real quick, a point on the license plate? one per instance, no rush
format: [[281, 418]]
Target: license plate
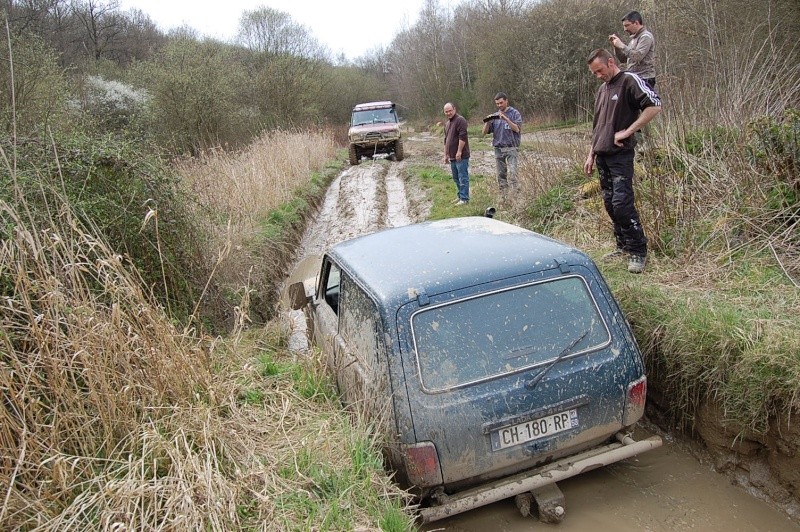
[[534, 429]]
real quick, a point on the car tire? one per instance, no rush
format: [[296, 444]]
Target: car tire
[[398, 150], [353, 155]]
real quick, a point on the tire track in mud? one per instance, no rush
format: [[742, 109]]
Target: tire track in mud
[[361, 200]]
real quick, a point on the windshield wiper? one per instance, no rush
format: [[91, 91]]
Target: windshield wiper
[[534, 381]]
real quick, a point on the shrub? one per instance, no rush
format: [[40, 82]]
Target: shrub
[[114, 185], [774, 145]]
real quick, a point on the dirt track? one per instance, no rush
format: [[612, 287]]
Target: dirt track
[[669, 488]]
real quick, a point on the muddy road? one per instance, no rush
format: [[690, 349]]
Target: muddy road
[[673, 487]]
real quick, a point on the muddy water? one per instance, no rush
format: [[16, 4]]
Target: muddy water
[[664, 489]]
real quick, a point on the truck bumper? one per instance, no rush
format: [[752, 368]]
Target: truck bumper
[[623, 448]]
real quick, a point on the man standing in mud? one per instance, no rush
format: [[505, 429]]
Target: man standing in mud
[[456, 151], [506, 128], [624, 103]]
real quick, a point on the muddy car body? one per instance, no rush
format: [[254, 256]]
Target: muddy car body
[[374, 129], [495, 360]]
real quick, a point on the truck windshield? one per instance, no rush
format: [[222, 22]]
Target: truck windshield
[[502, 332], [373, 116]]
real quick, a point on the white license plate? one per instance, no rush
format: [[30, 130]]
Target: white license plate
[[534, 429]]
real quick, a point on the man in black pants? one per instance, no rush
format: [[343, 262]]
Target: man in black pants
[[624, 103]]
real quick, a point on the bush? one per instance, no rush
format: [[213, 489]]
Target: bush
[[774, 145], [114, 186], [38, 85]]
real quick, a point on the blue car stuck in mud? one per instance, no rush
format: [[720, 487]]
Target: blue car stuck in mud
[[494, 360]]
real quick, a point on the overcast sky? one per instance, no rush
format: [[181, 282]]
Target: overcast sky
[[350, 26]]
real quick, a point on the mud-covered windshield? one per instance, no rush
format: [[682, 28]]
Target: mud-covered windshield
[[475, 339], [374, 116]]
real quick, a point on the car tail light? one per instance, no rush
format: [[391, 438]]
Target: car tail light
[[422, 464], [634, 401]]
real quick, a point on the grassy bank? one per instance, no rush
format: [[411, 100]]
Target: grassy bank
[[717, 311], [115, 416]]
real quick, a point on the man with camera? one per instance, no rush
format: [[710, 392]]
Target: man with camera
[[506, 128], [639, 54]]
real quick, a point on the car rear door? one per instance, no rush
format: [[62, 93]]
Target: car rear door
[[500, 380]]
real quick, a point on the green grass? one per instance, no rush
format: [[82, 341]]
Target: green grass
[[327, 466], [716, 322], [712, 343], [333, 490], [442, 191], [550, 208]]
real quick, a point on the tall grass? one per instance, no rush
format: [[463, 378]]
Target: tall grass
[[252, 203], [718, 188], [113, 419], [88, 364]]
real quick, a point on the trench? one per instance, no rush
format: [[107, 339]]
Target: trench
[[674, 487]]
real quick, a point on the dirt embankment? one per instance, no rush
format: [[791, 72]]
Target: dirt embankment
[[766, 465]]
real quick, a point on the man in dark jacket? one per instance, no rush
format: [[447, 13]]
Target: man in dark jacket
[[624, 103], [456, 151]]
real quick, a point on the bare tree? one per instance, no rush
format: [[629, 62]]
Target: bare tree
[[100, 22], [273, 32], [426, 67], [286, 66]]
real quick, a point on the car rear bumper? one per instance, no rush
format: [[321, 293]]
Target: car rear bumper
[[623, 448]]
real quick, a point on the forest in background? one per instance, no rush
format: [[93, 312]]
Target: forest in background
[[88, 64], [120, 102]]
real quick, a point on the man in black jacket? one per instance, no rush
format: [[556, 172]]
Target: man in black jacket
[[624, 103]]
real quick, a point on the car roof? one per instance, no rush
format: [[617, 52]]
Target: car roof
[[396, 265], [373, 105]]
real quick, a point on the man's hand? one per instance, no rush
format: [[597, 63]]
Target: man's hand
[[616, 41], [588, 166], [619, 136]]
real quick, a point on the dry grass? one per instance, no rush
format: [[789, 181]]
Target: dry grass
[[88, 363], [114, 419], [252, 204], [246, 186], [717, 309]]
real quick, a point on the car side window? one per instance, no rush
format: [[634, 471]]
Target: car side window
[[331, 286], [359, 323]]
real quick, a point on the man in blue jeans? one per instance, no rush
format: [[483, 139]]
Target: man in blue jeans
[[456, 151], [506, 128], [624, 103]]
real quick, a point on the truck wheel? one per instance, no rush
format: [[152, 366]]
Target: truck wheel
[[353, 155], [398, 150]]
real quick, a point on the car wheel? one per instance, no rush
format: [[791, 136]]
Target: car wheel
[[353, 154], [398, 150]]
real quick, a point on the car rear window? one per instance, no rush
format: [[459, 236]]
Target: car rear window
[[479, 338]]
